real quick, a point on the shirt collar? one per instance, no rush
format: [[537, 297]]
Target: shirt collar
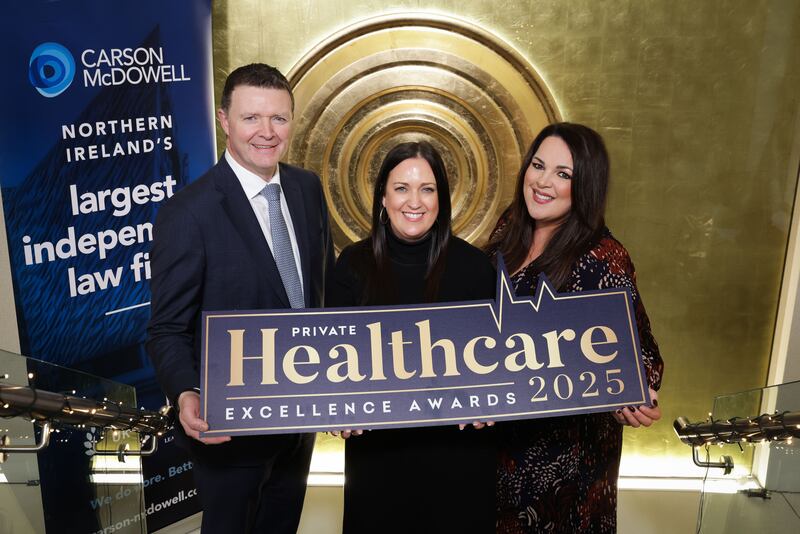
[[251, 182]]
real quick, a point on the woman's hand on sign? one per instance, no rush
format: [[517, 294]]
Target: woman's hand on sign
[[477, 425], [346, 433], [189, 417], [637, 416]]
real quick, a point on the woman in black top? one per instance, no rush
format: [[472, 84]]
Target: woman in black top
[[429, 479]]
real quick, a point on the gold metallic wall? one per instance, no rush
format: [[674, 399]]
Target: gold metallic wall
[[405, 77], [698, 102]]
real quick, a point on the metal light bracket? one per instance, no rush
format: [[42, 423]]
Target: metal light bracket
[[726, 462], [6, 447]]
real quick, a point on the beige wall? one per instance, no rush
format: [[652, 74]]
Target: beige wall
[[9, 335]]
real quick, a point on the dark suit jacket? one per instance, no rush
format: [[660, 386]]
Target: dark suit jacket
[[209, 253]]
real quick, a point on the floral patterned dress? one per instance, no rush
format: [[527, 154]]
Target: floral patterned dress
[[560, 474]]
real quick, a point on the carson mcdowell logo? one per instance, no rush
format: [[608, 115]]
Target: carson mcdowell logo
[[51, 69]]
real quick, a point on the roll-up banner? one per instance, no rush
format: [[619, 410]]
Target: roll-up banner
[[108, 112]]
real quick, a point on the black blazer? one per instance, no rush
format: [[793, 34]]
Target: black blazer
[[209, 253]]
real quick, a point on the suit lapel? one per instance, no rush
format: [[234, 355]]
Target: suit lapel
[[239, 210], [294, 199]]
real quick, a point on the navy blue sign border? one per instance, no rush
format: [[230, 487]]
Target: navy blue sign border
[[496, 307]]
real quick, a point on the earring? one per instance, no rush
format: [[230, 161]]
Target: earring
[[383, 217]]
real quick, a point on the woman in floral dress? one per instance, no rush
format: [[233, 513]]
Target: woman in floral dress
[[560, 474]]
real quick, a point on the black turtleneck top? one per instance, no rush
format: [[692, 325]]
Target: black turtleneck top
[[468, 274]]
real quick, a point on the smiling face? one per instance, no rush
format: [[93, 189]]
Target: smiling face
[[258, 124], [411, 199], [548, 183]]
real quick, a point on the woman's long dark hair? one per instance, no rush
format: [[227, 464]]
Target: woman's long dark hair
[[585, 222], [377, 288]]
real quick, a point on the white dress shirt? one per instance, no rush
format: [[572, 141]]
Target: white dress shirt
[[252, 185]]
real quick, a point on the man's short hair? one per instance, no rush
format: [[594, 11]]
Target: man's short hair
[[255, 75]]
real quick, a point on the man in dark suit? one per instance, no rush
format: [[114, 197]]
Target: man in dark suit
[[234, 240]]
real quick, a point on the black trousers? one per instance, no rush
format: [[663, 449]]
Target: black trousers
[[262, 498]]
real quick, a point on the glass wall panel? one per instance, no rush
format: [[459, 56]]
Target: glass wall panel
[[775, 508], [69, 486]]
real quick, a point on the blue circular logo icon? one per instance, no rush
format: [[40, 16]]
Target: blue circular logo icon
[[51, 69]]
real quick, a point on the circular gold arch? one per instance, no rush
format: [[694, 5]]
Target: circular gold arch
[[411, 77]]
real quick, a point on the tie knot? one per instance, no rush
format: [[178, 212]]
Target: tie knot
[[272, 191]]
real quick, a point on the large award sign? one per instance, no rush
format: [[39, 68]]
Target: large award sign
[[358, 368]]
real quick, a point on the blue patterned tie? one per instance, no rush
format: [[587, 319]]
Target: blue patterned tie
[[282, 246]]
